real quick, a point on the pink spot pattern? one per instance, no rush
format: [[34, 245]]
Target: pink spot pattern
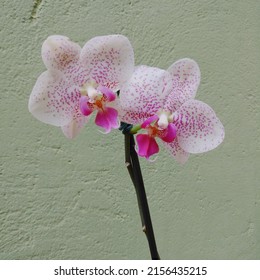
[[199, 129], [185, 75], [58, 52], [108, 60], [144, 94]]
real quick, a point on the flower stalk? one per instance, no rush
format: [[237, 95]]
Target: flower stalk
[[134, 169]]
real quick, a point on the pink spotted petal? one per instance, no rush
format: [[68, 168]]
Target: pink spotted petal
[[54, 100], [84, 107], [107, 119], [147, 146], [110, 95], [177, 152], [199, 129], [144, 94], [149, 121], [170, 133], [185, 75], [109, 59], [72, 129], [58, 52]]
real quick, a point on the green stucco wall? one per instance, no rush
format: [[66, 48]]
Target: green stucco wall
[[62, 199]]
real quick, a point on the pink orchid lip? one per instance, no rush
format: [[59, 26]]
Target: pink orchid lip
[[107, 119], [147, 146]]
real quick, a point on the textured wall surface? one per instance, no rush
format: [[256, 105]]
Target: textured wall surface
[[62, 199]]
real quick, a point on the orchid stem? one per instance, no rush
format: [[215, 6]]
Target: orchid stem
[[133, 167]]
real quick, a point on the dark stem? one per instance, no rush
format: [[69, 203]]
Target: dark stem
[[133, 166]]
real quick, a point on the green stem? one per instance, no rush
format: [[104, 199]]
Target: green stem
[[135, 129]]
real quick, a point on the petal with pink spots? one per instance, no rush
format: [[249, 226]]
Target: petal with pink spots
[[144, 94], [109, 60], [53, 100], [185, 75], [199, 129], [58, 52]]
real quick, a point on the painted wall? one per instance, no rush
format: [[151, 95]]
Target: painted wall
[[62, 199]]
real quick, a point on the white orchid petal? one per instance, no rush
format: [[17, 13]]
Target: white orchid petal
[[59, 51], [185, 75], [199, 129], [144, 94], [109, 60], [53, 100]]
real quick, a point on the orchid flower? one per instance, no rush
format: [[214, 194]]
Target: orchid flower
[[79, 82], [162, 102]]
